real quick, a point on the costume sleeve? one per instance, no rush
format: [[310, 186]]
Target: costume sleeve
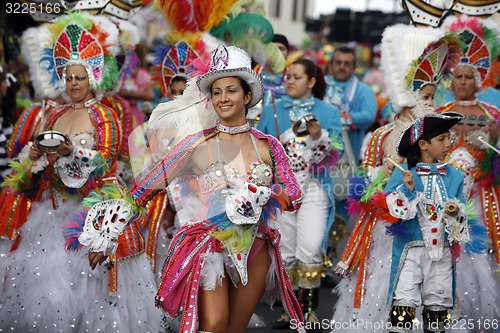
[[402, 202], [84, 167], [23, 130], [366, 108], [263, 123], [284, 175], [27, 175]]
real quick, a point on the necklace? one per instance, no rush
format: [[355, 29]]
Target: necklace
[[83, 105], [467, 103], [233, 129]]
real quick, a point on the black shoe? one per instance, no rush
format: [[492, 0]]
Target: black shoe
[[313, 325], [282, 323], [329, 281]]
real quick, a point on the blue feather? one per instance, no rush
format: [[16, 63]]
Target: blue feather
[[478, 242], [50, 67], [159, 53], [74, 229], [357, 187]]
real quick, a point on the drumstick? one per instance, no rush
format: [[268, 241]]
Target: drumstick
[[480, 138], [396, 164]]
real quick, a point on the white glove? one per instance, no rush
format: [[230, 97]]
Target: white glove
[[104, 222]]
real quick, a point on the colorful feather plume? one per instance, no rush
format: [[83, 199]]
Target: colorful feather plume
[[480, 48], [194, 15]]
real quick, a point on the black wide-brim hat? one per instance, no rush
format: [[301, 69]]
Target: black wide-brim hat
[[426, 128]]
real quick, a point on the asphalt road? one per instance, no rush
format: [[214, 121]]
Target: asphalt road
[[325, 311]]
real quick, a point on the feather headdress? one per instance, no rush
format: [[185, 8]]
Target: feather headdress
[[126, 59], [480, 49], [240, 23], [40, 76], [406, 78], [178, 59], [401, 45], [82, 39]]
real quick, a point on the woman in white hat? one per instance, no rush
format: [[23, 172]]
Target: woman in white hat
[[227, 257]]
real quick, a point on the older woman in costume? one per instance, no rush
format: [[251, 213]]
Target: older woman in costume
[[50, 289]]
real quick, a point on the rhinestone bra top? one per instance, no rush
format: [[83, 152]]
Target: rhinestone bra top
[[260, 173]]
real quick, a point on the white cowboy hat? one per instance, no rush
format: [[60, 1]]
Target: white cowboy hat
[[231, 61]]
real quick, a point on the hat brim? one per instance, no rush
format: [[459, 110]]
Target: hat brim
[[435, 123], [205, 81]]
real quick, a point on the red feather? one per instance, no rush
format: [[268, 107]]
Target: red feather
[[379, 206]]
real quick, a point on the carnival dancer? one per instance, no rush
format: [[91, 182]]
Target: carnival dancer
[[47, 288], [425, 196], [412, 73], [472, 140], [222, 262], [313, 150]]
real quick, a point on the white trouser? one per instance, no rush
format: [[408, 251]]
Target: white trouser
[[302, 231], [423, 281]]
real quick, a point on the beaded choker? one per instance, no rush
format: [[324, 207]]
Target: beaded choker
[[233, 129], [467, 103], [84, 105]]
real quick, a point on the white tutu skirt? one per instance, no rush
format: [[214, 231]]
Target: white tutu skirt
[[39, 287], [48, 289], [373, 313]]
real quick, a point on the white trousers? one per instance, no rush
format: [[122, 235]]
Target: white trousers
[[302, 231], [425, 282]]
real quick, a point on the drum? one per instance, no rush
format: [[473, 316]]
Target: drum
[[49, 141]]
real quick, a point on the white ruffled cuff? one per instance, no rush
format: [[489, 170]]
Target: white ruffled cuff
[[457, 226], [75, 168], [400, 207], [104, 222], [36, 166], [316, 150]]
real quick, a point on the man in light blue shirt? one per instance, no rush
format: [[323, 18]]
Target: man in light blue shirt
[[354, 98]]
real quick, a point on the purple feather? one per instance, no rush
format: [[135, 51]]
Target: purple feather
[[397, 229]]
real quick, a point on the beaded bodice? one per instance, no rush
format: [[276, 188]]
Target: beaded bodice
[[259, 173]]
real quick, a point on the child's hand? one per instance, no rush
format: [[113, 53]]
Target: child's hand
[[408, 180]]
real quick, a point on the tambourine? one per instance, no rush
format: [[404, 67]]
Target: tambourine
[[49, 141], [300, 126]]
